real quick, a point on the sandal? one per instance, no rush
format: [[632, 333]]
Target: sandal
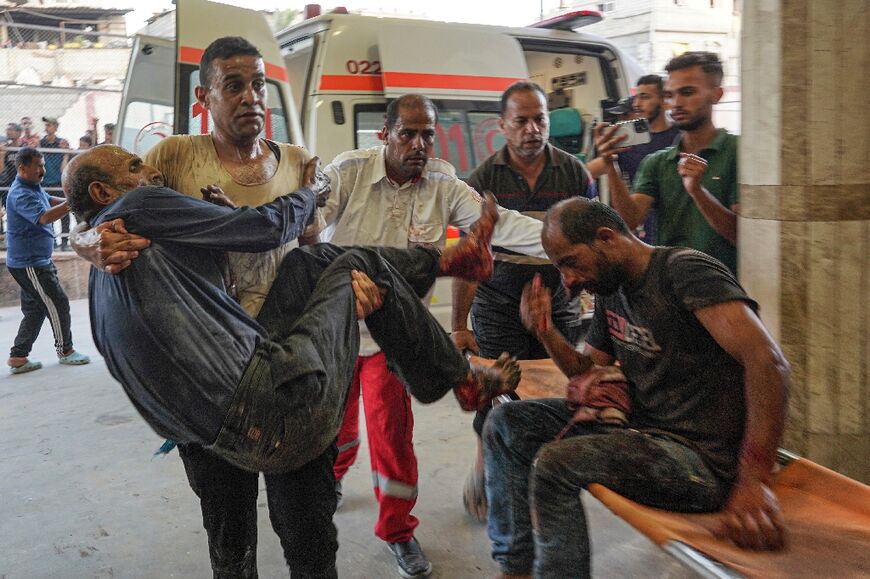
[[25, 367], [74, 359]]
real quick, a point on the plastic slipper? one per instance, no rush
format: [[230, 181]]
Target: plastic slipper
[[74, 359], [26, 367]]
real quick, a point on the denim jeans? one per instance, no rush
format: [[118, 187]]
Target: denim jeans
[[533, 480]]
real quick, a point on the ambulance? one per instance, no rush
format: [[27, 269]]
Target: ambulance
[[330, 77]]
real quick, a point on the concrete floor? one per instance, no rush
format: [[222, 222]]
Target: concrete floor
[[82, 497]]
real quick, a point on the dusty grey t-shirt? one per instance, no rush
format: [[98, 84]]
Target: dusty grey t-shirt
[[682, 382]]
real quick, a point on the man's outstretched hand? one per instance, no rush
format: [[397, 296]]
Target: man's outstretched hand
[[108, 246], [535, 307], [214, 194], [317, 181], [369, 297]]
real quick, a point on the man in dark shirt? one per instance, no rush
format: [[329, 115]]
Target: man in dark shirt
[[267, 394], [649, 103], [708, 400], [528, 175], [54, 165]]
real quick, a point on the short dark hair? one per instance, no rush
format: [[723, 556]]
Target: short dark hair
[[408, 100], [652, 79], [579, 219], [222, 48], [25, 156], [87, 139], [76, 186], [708, 61], [520, 86]]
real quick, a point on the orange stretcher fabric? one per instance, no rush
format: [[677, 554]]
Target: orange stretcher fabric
[[827, 518]]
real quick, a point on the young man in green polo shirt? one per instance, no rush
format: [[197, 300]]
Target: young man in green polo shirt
[[692, 184]]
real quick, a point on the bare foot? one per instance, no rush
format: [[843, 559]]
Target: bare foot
[[474, 493], [471, 258], [16, 361], [485, 383]]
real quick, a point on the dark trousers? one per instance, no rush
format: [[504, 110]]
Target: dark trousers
[[289, 405], [301, 505], [41, 296], [64, 231]]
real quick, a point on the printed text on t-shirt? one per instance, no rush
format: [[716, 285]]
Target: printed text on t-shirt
[[633, 337]]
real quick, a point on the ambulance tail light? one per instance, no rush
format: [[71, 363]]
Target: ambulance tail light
[[570, 20], [314, 10]]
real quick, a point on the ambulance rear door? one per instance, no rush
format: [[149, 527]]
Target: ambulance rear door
[[199, 23], [147, 101]]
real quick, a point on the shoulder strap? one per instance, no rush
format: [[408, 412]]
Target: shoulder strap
[[274, 147]]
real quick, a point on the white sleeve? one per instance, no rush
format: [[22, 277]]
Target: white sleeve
[[337, 200], [513, 231]]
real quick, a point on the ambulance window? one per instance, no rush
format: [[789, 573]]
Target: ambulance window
[[486, 136], [144, 125], [464, 137], [199, 122], [368, 125]]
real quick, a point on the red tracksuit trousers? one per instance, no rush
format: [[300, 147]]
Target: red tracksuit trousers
[[390, 428]]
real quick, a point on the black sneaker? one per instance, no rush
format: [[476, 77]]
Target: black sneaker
[[411, 559], [339, 497]]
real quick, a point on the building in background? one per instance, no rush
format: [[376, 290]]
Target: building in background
[[63, 59], [654, 31]]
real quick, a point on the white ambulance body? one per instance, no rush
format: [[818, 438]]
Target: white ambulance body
[[333, 74], [330, 80]]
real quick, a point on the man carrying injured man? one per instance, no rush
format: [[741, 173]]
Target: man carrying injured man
[[266, 394]]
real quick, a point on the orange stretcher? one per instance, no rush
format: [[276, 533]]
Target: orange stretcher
[[827, 515]]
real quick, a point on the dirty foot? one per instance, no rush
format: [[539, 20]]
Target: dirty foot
[[485, 383], [471, 258]]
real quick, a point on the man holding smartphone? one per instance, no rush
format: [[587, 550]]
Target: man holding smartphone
[[648, 103], [693, 183]]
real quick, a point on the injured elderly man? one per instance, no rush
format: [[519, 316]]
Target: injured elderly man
[[265, 394]]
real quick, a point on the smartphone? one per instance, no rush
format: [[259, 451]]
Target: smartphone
[[637, 132]]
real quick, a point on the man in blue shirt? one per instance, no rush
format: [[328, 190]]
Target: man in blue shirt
[[30, 240]]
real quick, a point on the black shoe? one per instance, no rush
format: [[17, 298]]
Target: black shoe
[[339, 497], [411, 559]]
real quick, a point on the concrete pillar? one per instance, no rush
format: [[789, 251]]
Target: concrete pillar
[[804, 227]]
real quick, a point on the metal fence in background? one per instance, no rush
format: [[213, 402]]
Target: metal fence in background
[[73, 72]]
